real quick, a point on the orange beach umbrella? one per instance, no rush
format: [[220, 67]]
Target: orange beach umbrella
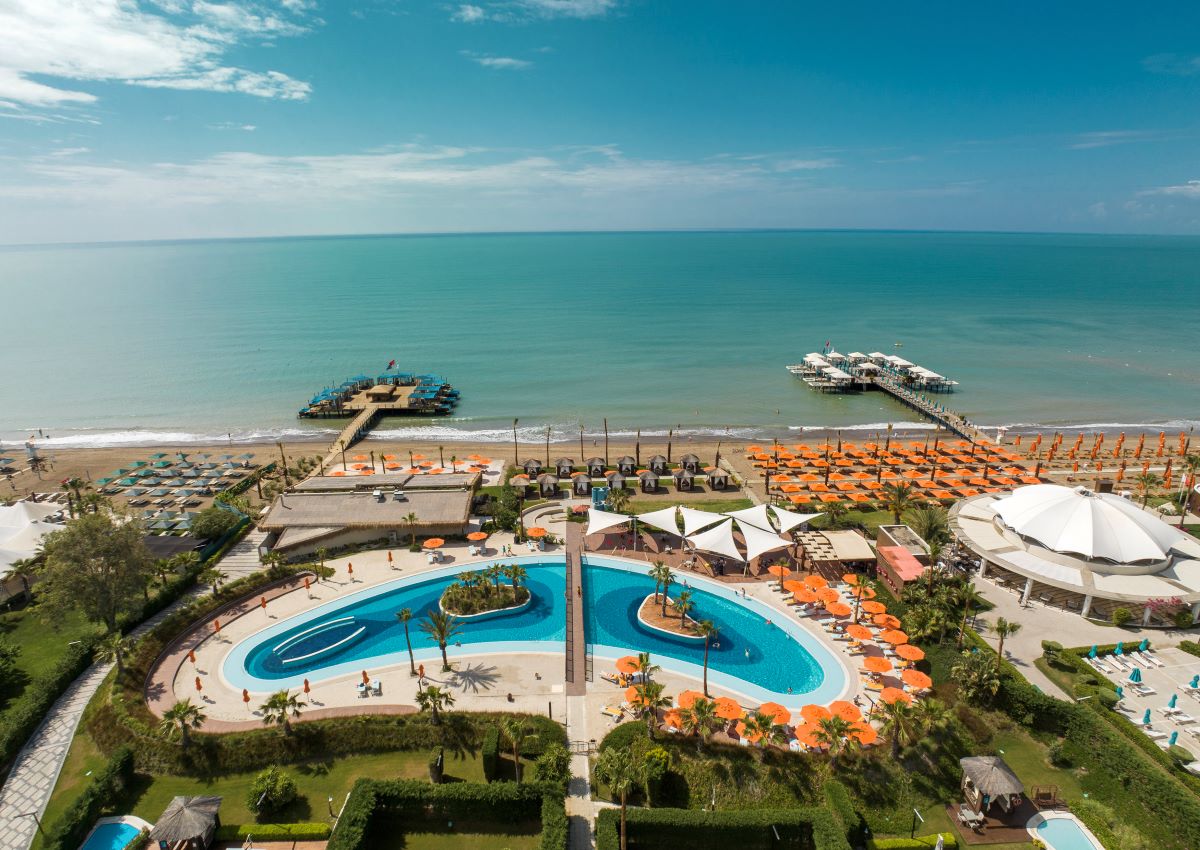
[[916, 679], [477, 535], [536, 531], [891, 695], [728, 709], [874, 607], [876, 664], [909, 652], [433, 543], [688, 698], [839, 609], [779, 570], [845, 710], [859, 632], [893, 636], [778, 714], [815, 713], [627, 665]]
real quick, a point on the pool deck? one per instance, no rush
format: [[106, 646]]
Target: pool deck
[[532, 682]]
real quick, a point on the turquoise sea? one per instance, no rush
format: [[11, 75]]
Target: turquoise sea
[[177, 341]]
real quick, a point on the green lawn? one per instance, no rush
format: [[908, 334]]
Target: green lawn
[[43, 641], [641, 506], [452, 836]]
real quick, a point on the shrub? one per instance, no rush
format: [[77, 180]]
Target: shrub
[[270, 791], [1190, 647], [553, 765], [555, 825], [623, 736], [70, 830], [700, 830], [1182, 618], [273, 831], [1121, 616], [655, 764], [921, 842], [212, 522], [489, 753], [1058, 755]]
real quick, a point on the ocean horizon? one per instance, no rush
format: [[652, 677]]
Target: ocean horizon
[[206, 340]]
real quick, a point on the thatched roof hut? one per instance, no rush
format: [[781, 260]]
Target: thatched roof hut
[[988, 780], [648, 481], [626, 465], [581, 484], [532, 467], [596, 466], [188, 823], [658, 464], [548, 484], [565, 466], [690, 462]]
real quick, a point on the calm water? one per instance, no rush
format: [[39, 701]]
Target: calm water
[[174, 341]]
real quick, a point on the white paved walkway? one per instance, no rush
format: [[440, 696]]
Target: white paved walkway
[[581, 810]]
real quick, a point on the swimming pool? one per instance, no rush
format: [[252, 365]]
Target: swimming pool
[[760, 652], [113, 833], [1062, 831]]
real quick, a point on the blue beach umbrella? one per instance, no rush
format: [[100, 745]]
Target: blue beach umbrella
[[1146, 718], [1092, 651], [1144, 645], [1120, 692], [1195, 681], [1136, 675], [1171, 701], [1120, 650], [1174, 737]]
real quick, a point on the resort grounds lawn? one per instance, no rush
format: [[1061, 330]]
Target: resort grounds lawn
[[642, 506], [405, 835], [43, 641]]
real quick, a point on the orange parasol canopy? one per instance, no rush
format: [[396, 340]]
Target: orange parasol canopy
[[909, 652], [807, 735], [916, 679], [865, 734], [794, 586], [845, 710], [433, 543], [391, 466], [815, 581], [815, 713], [389, 457], [891, 695], [673, 718], [864, 592], [874, 607], [893, 636], [850, 578], [828, 594], [859, 632], [627, 665], [876, 664], [728, 709], [805, 596], [417, 456], [361, 457], [338, 474], [477, 535], [778, 714], [753, 736], [687, 698], [888, 621], [536, 531], [839, 609], [779, 570], [632, 696]]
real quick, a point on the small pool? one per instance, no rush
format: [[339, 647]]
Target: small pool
[[113, 833], [1060, 831]]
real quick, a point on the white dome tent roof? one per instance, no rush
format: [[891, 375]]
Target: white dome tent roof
[[1081, 522]]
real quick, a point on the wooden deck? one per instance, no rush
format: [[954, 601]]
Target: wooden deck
[[1009, 830]]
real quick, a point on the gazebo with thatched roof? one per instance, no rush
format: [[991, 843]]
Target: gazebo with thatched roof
[[188, 823], [595, 467], [988, 781]]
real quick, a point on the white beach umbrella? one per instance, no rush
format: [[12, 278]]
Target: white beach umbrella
[[599, 520], [694, 520], [790, 519], [663, 520], [718, 539], [756, 516]]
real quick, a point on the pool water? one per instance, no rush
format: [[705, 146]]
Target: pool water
[[382, 636], [747, 647], [1065, 834], [111, 836]]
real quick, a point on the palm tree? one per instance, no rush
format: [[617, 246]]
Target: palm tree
[[1146, 481], [280, 708], [833, 733], [1003, 629], [930, 522], [651, 698], [977, 676], [617, 769], [1189, 466], [516, 574], [433, 699], [182, 717], [212, 577], [929, 715], [645, 667], [494, 573], [898, 498], [761, 726], [666, 578], [835, 512], [323, 553], [899, 724], [24, 569], [709, 631], [443, 628], [515, 731], [411, 519], [700, 719], [404, 615], [683, 605], [966, 597], [618, 499], [113, 648]]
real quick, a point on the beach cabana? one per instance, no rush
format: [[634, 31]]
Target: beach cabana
[[595, 467], [188, 823], [658, 464], [532, 467], [648, 481], [685, 479], [615, 479], [565, 467], [718, 479], [548, 485], [626, 465], [988, 782], [581, 484], [520, 483], [690, 462]]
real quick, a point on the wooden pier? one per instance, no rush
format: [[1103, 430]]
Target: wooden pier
[[952, 422]]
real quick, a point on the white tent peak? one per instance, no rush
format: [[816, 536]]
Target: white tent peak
[[718, 539], [694, 520], [663, 520], [759, 542], [756, 516], [790, 519], [599, 520]]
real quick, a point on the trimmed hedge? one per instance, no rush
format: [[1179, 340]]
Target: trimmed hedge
[[1190, 647], [489, 754], [837, 797], [919, 843], [701, 830], [69, 831], [499, 802], [23, 718], [273, 831]]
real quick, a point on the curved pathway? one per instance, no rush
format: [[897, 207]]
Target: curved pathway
[[35, 771]]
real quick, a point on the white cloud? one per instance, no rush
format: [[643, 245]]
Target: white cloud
[[500, 63], [171, 43], [1107, 138], [1172, 63], [469, 14], [232, 125], [1190, 189], [806, 164], [567, 8]]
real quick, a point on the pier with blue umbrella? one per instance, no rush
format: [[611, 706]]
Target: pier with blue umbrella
[[1136, 675]]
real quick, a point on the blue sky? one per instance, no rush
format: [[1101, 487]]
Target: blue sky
[[131, 119]]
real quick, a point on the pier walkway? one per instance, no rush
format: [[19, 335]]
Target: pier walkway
[[576, 650], [950, 421]]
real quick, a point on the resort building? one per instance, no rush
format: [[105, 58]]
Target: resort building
[[901, 556], [329, 512], [1082, 551]]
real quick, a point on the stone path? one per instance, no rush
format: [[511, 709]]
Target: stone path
[[36, 768], [242, 560], [581, 810]]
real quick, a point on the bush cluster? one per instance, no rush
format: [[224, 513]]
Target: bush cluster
[[921, 842], [70, 830], [489, 753], [719, 830], [273, 831]]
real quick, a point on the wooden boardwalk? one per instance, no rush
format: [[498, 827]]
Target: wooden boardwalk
[[576, 649], [914, 401]]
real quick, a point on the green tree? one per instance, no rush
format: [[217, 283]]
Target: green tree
[[280, 709], [618, 500], [1146, 481], [684, 605], [835, 514], [930, 715], [442, 628], [834, 734], [710, 632], [898, 498], [405, 615], [411, 519], [645, 666], [1004, 628], [617, 769], [10, 673], [701, 719], [553, 765], [113, 648], [966, 598], [899, 724], [976, 676], [434, 700], [516, 574], [182, 717], [24, 569], [930, 522], [515, 732], [651, 698], [271, 791], [212, 576], [760, 726], [212, 522], [96, 566]]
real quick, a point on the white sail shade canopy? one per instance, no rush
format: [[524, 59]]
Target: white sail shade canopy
[[790, 519], [756, 516], [599, 520], [694, 520], [759, 542], [663, 520], [718, 540]]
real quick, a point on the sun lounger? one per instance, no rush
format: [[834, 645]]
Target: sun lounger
[[1193, 768], [1154, 734], [610, 677], [1181, 718], [613, 712], [377, 688], [1141, 690], [1150, 659]]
